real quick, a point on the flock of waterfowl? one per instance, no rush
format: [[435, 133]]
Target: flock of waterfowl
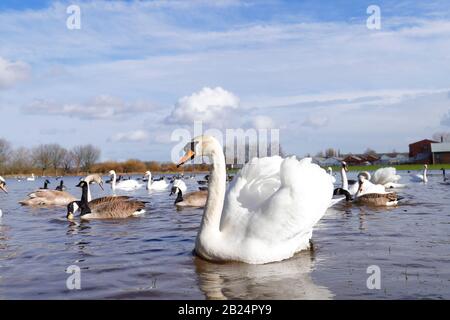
[[265, 214]]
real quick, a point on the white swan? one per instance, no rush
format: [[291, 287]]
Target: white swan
[[330, 172], [180, 185], [387, 177], [269, 210], [32, 178], [155, 185], [421, 177], [3, 188], [125, 185]]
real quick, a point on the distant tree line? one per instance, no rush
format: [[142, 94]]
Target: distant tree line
[[53, 159], [47, 159]]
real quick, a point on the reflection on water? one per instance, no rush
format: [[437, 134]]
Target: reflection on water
[[289, 279], [151, 256]]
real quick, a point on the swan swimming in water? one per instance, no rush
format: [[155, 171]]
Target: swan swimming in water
[[3, 188], [155, 185], [330, 172], [421, 177], [269, 210], [125, 185]]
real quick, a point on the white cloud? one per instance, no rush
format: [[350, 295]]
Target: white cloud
[[209, 105], [12, 72], [316, 121], [262, 122], [131, 136], [98, 108]]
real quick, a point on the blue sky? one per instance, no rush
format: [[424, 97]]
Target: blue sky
[[137, 70]]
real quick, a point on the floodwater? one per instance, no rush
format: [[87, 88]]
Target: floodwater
[[150, 257]]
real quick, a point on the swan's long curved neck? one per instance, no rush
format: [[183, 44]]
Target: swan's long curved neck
[[89, 196], [425, 177], [149, 182], [216, 193], [344, 179]]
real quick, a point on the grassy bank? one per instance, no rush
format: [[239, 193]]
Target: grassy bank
[[402, 167]]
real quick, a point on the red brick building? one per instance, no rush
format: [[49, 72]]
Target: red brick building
[[421, 151]]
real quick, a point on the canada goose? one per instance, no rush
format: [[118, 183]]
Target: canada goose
[[3, 188], [48, 198], [61, 186], [180, 185], [374, 195], [192, 199], [118, 208], [46, 183]]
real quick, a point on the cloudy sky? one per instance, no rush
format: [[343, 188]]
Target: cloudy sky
[[137, 70]]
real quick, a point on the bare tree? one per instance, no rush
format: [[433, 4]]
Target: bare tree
[[91, 156], [330, 152], [5, 151], [68, 161], [85, 157], [370, 151], [21, 161], [42, 156], [57, 154]]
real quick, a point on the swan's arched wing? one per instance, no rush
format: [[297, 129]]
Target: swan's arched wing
[[303, 195], [385, 175], [253, 184]]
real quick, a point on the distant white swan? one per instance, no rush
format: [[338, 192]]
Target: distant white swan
[[269, 210], [3, 188], [330, 172], [155, 185], [32, 178], [421, 177], [125, 185]]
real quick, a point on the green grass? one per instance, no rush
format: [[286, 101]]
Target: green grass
[[404, 167]]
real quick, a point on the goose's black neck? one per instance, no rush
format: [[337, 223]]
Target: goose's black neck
[[45, 185], [84, 204], [179, 196]]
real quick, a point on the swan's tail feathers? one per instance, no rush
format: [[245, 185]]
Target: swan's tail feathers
[[385, 175]]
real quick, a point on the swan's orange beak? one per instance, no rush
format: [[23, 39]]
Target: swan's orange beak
[[188, 156], [3, 188]]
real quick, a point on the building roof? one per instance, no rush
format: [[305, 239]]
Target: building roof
[[440, 147], [423, 141]]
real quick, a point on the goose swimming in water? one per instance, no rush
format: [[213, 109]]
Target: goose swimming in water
[[421, 177], [269, 210], [375, 195], [46, 197], [3, 188], [45, 187], [114, 208], [61, 186], [193, 199]]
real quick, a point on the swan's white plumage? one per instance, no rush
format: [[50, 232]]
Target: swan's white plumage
[[180, 185], [385, 176], [128, 185], [270, 209]]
